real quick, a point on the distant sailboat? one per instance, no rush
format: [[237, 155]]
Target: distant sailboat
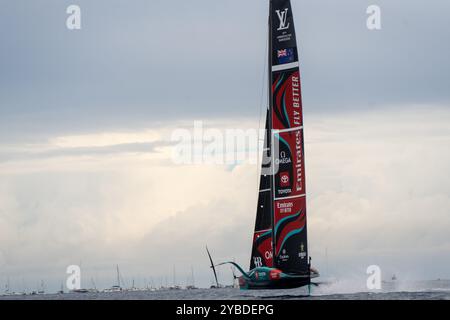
[[61, 291], [94, 286], [41, 290], [117, 287], [174, 286], [7, 287], [279, 256], [191, 285]]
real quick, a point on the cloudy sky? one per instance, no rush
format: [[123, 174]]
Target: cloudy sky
[[86, 118]]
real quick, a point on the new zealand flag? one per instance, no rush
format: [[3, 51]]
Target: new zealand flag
[[285, 55]]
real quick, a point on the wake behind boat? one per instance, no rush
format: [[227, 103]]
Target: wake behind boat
[[279, 256]]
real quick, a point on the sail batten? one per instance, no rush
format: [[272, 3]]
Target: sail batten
[[285, 66]]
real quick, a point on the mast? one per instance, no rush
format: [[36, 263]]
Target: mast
[[269, 130], [290, 247], [192, 276], [118, 276], [93, 283], [7, 286], [174, 277], [262, 249]]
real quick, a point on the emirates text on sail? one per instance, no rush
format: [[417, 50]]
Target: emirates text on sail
[[299, 155]]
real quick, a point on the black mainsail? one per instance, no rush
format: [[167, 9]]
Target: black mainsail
[[280, 237], [262, 251]]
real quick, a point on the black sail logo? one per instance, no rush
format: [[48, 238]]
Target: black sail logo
[[282, 15]]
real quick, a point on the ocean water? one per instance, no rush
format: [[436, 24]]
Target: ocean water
[[337, 290]]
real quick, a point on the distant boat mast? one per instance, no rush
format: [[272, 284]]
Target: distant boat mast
[[118, 276]]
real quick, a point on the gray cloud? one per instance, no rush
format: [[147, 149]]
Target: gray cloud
[[136, 64], [82, 151]]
